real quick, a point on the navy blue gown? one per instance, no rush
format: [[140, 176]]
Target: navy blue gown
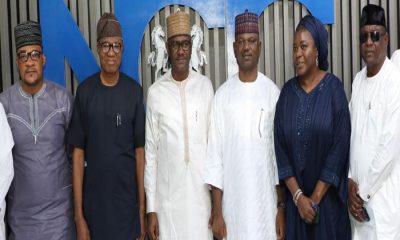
[[312, 139]]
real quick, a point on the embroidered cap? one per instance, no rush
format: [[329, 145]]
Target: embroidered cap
[[108, 26], [178, 23], [27, 33], [246, 22]]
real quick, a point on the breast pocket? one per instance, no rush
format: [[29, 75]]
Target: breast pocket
[[264, 125], [374, 124], [124, 125], [197, 125]]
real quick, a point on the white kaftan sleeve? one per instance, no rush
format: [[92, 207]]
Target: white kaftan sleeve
[[351, 110], [396, 58], [6, 160], [388, 151], [210, 96], [214, 163], [6, 176], [151, 145]]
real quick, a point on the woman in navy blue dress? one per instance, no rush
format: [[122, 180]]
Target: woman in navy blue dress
[[312, 139]]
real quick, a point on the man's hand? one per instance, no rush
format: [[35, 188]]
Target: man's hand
[[78, 160], [354, 201], [82, 230], [218, 226], [141, 236], [304, 206], [152, 226], [280, 224], [142, 215], [210, 221], [139, 154]]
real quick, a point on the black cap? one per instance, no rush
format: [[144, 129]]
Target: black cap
[[372, 15], [27, 33]]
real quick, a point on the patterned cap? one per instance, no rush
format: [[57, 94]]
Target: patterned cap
[[108, 26], [27, 33], [373, 15], [178, 24], [246, 22]]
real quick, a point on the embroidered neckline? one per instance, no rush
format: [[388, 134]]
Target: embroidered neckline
[[36, 95]]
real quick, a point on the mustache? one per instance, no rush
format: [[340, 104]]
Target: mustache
[[30, 70], [246, 52], [246, 55]]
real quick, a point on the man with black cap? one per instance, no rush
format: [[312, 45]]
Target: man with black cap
[[241, 166], [374, 199], [40, 198], [107, 133], [178, 105]]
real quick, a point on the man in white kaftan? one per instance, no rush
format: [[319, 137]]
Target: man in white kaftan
[[6, 165], [177, 117], [375, 137], [241, 165], [241, 156]]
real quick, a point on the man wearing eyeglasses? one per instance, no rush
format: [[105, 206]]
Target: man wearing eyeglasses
[[38, 111], [374, 176], [107, 133], [178, 105]]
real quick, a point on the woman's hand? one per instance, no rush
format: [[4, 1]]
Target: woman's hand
[[304, 206]]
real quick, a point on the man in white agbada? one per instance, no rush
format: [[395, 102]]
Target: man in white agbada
[[178, 105], [6, 165], [375, 137], [241, 165]]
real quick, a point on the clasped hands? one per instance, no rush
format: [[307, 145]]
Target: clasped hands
[[308, 209]]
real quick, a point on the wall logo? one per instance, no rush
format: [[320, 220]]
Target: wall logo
[[159, 57], [62, 39]]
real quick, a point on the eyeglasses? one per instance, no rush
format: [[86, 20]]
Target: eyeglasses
[[106, 46], [375, 36], [185, 45], [24, 56]]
